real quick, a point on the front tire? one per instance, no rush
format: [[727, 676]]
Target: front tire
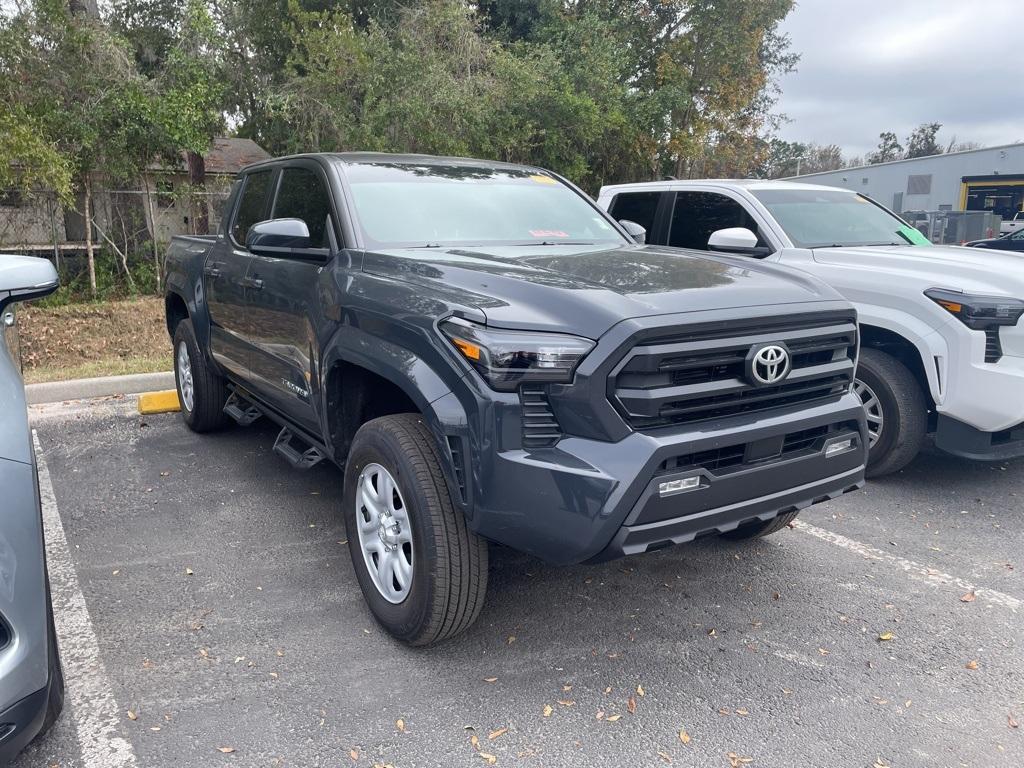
[[896, 411], [423, 573], [201, 392]]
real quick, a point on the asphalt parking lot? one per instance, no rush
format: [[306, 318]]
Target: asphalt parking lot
[[209, 616]]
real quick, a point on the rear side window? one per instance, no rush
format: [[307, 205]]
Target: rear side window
[[696, 215], [253, 204], [302, 195], [638, 207]]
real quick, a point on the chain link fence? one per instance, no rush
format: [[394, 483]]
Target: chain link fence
[[131, 228]]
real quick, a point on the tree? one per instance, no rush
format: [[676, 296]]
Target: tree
[[923, 141], [889, 148]]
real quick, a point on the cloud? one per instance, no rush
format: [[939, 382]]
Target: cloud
[[869, 66]]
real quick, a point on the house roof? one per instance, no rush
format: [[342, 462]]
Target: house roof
[[225, 156]]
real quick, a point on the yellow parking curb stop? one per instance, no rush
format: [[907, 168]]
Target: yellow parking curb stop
[[159, 402]]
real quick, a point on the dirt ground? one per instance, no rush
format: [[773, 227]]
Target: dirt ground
[[95, 339]]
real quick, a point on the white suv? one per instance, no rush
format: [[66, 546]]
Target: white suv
[[942, 345]]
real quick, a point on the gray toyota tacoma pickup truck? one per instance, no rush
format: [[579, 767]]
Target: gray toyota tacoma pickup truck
[[491, 358]]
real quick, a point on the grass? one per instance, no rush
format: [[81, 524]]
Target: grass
[[107, 338]]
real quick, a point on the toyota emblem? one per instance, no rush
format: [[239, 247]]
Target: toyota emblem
[[769, 364]]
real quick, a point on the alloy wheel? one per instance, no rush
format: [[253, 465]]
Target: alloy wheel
[[385, 533]]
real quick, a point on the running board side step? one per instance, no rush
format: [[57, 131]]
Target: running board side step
[[296, 451], [240, 409]]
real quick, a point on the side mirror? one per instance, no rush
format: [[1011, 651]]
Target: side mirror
[[281, 237], [23, 278], [634, 230], [736, 240]]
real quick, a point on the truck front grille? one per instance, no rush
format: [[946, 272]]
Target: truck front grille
[[698, 373]]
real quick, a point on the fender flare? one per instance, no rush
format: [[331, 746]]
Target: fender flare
[[421, 383], [178, 284], [929, 343]]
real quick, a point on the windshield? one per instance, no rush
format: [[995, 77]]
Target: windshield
[[408, 205], [827, 218]]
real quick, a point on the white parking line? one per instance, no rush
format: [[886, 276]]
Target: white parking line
[[917, 571], [90, 697]]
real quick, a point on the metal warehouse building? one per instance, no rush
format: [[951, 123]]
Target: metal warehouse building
[[990, 179]]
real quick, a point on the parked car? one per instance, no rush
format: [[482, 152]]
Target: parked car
[[942, 348], [1011, 241], [491, 357], [1013, 225], [31, 679]]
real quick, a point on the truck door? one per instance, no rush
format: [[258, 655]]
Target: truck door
[[285, 308], [224, 276]]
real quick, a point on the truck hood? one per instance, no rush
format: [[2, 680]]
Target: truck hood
[[587, 289], [972, 270]]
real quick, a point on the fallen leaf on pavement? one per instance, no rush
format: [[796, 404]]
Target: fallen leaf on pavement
[[511, 639], [132, 715], [640, 691], [548, 709], [969, 597], [723, 711], [495, 734], [488, 758], [631, 705], [972, 664], [400, 725], [490, 679], [735, 761], [354, 754], [824, 651], [613, 718], [474, 741], [885, 636], [1012, 721], [665, 756], [880, 763], [742, 712], [226, 750], [684, 736], [566, 702], [608, 689]]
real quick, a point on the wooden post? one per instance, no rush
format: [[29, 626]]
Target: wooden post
[[88, 236]]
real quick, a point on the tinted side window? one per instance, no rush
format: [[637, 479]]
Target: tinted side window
[[302, 195], [639, 207], [697, 214], [253, 204]]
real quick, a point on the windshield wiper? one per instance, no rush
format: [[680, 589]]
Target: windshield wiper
[[555, 242]]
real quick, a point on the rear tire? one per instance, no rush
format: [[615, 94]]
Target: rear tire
[[201, 392], [760, 529], [447, 577], [889, 390]]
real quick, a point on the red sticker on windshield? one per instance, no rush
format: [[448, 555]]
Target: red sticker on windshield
[[548, 233]]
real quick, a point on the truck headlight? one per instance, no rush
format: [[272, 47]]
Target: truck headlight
[[978, 312], [506, 358]]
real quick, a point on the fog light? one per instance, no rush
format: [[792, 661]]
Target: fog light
[[840, 446], [675, 486]]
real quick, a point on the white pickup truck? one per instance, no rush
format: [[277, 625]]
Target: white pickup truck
[[1012, 225], [942, 345]]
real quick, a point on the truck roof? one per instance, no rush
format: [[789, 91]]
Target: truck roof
[[752, 184], [369, 158]]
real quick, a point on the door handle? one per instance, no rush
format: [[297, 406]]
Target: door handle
[[212, 269], [252, 282]]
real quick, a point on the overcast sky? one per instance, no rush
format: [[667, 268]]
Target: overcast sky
[[869, 66]]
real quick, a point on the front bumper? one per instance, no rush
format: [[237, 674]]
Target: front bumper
[[587, 499], [21, 723], [960, 439]]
